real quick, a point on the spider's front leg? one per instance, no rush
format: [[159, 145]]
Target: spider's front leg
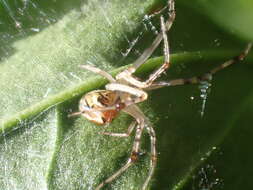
[[204, 77], [149, 51], [127, 76], [98, 71], [165, 26]]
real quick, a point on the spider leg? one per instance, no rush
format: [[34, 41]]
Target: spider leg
[[153, 159], [166, 63], [126, 75], [98, 71], [75, 114], [138, 115], [139, 94], [131, 160], [149, 51], [88, 109], [204, 77], [127, 134]]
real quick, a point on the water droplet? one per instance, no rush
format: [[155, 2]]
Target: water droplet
[[204, 90], [35, 29], [17, 24], [146, 17]]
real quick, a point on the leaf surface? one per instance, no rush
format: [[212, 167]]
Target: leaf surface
[[40, 81]]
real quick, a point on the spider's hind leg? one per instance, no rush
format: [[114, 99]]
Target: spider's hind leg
[[153, 156], [131, 160]]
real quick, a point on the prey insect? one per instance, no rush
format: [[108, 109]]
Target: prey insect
[[124, 92]]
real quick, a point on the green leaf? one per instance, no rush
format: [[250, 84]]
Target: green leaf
[[41, 83]]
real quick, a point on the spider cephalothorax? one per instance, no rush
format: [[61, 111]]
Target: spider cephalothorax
[[99, 100], [125, 91]]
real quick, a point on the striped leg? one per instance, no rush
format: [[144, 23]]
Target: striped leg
[[205, 77], [148, 52], [153, 159], [131, 160], [127, 74], [166, 64], [138, 115]]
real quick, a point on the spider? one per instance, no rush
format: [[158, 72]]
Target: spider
[[124, 91]]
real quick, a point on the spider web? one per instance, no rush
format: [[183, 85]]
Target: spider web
[[26, 152], [57, 152], [31, 150]]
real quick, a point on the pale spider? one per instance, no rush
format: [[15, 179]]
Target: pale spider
[[125, 91]]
